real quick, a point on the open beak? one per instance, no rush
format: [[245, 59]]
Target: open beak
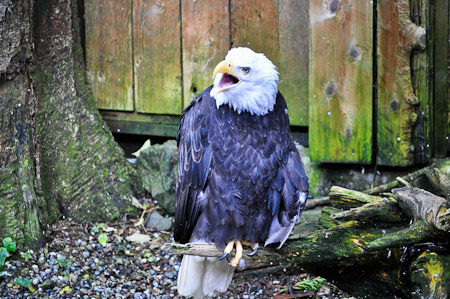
[[224, 77]]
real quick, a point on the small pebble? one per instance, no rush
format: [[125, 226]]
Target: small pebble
[[35, 268]]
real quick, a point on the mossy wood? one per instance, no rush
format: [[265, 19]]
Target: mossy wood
[[255, 26], [176, 45], [340, 124], [206, 40], [293, 59], [157, 56], [397, 101], [371, 246], [137, 123], [279, 29], [422, 65], [109, 53]]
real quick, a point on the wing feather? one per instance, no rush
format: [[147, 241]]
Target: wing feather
[[289, 188], [194, 161]]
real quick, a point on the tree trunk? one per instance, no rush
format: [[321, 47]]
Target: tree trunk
[[57, 157]]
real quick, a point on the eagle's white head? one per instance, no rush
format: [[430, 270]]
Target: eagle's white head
[[246, 81]]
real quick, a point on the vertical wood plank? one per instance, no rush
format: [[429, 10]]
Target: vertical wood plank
[[396, 114], [448, 82], [441, 16], [421, 72], [254, 24], [340, 125], [109, 53], [157, 56], [293, 64], [206, 41]]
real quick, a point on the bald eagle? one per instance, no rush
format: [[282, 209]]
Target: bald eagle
[[240, 177]]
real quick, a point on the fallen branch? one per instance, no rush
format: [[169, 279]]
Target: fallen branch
[[428, 171], [210, 250], [315, 202]]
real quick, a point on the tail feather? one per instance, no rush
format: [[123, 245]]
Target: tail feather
[[200, 277]]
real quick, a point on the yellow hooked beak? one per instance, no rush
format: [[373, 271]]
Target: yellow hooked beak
[[225, 67], [228, 79]]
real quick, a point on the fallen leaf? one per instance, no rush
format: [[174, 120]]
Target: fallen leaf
[[156, 268], [138, 238], [135, 203]]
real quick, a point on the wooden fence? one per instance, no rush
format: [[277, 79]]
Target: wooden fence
[[364, 76]]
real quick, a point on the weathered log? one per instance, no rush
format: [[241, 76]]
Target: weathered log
[[442, 167], [210, 250], [439, 176], [379, 236], [430, 216], [345, 198], [430, 275]]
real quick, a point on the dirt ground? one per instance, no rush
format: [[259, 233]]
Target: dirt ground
[[79, 262]]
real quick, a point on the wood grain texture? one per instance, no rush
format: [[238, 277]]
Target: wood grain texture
[[340, 127], [254, 24], [293, 63], [422, 62], [206, 40], [109, 53], [396, 114], [441, 100], [157, 56]]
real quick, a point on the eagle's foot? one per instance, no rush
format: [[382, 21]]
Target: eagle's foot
[[254, 248], [227, 250], [239, 251], [238, 256]]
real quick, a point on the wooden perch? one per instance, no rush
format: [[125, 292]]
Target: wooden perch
[[210, 250], [399, 241]]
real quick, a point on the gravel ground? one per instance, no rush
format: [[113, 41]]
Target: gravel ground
[[74, 264]]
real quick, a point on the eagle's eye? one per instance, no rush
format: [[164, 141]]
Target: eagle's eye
[[245, 70]]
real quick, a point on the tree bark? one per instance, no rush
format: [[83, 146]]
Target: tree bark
[[57, 158]]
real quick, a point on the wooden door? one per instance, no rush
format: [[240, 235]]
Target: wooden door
[[168, 49]]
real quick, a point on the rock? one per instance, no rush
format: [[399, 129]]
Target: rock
[[157, 167], [158, 222], [138, 238]]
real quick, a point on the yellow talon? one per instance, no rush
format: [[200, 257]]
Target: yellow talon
[[253, 246], [227, 250], [238, 256], [239, 251]]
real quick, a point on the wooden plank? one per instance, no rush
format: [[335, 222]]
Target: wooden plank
[[293, 64], [141, 124], [441, 15], [340, 111], [157, 56], [421, 72], [254, 24], [396, 115], [206, 40], [109, 53]]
